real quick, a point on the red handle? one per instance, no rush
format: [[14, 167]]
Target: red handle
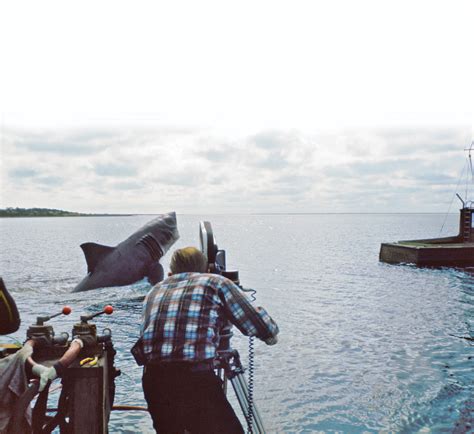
[[108, 309]]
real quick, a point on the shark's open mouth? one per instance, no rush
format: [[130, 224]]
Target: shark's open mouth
[[150, 243]]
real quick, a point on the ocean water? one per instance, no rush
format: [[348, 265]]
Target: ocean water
[[365, 347]]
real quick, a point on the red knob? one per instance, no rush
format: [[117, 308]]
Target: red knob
[[66, 310], [108, 309]]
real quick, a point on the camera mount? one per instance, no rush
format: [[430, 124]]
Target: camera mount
[[227, 363]]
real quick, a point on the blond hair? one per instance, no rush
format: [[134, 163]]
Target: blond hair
[[188, 259]]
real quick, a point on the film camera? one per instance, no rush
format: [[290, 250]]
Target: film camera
[[216, 257]]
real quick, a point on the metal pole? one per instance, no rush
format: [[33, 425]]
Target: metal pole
[[258, 423]]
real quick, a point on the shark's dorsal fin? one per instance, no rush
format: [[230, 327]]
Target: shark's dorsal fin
[[94, 253]]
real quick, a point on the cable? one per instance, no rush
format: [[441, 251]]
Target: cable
[[250, 386], [250, 409], [472, 170], [452, 200]]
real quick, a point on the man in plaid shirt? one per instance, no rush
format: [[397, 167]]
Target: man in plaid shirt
[[182, 317]]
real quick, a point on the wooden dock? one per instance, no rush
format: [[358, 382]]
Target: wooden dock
[[457, 251], [428, 255]]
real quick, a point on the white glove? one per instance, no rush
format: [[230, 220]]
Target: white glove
[[25, 352], [78, 342], [45, 374]]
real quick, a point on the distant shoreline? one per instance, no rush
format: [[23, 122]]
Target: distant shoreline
[[25, 213], [47, 212], [76, 215]]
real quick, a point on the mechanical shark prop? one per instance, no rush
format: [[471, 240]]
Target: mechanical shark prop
[[131, 260]]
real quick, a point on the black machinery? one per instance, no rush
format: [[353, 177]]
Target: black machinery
[[88, 382], [228, 363]]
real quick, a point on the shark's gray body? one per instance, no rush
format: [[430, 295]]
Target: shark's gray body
[[131, 260]]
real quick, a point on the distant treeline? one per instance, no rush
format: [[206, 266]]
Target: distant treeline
[[37, 212], [48, 212]]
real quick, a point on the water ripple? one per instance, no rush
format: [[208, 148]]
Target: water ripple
[[365, 347]]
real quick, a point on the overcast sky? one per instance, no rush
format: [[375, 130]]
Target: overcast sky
[[261, 106]]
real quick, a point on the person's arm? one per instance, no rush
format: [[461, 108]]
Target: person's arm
[[57, 370], [250, 320]]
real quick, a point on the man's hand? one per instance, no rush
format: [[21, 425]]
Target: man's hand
[[45, 374], [271, 341]]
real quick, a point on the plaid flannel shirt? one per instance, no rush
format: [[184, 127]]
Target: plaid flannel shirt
[[182, 316]]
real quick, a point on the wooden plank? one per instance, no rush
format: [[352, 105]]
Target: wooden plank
[[89, 407]]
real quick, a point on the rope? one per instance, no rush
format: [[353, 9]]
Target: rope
[[467, 178], [129, 408], [452, 200], [472, 168], [116, 408]]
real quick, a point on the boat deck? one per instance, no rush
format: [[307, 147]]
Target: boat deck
[[428, 254], [431, 245]]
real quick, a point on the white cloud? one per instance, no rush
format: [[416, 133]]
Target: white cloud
[[144, 170]]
